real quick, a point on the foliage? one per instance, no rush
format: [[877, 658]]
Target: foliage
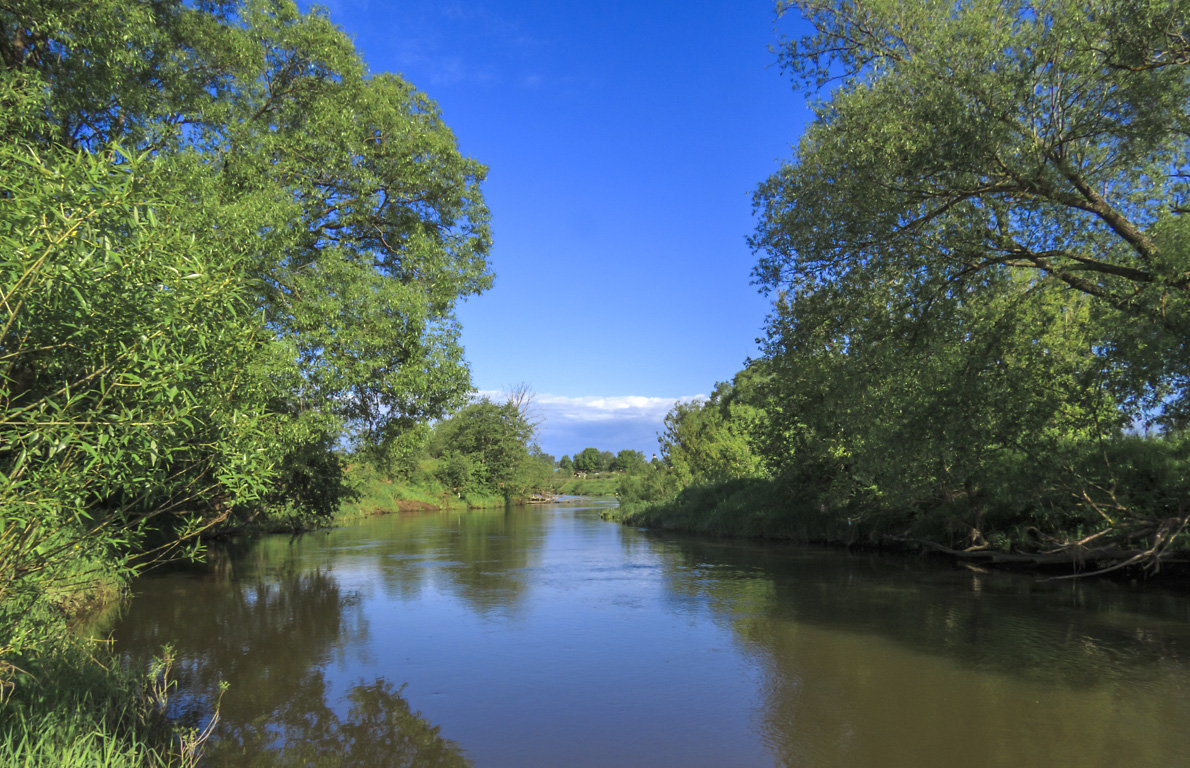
[[488, 447], [593, 460], [979, 271], [127, 408], [709, 441], [963, 143], [590, 484], [656, 483], [226, 251], [70, 711], [356, 218], [629, 461]]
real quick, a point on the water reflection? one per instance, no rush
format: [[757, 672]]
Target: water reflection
[[1072, 633], [547, 637], [379, 729], [881, 661], [481, 556], [266, 621]]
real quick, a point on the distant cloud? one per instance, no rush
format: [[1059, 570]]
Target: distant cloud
[[569, 424], [594, 408]]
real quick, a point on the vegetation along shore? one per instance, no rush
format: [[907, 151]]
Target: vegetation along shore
[[978, 260]]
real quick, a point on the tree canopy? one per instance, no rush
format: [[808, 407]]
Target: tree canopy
[[963, 142], [368, 222], [228, 252]]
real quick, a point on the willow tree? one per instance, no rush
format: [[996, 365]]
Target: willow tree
[[973, 168], [961, 139], [363, 222]]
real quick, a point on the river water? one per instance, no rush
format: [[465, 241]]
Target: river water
[[548, 637]]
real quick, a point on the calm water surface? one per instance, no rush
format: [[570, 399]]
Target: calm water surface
[[547, 637]]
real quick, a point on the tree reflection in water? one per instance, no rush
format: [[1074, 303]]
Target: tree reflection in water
[[379, 729], [268, 631], [654, 648]]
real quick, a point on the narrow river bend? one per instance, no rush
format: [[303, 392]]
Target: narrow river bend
[[546, 637]]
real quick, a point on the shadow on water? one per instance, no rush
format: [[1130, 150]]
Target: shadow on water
[[1069, 632], [876, 660]]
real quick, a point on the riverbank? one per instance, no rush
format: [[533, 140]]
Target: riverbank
[[377, 494], [602, 484], [380, 496], [763, 510]]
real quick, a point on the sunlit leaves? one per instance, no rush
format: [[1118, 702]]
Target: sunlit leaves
[[127, 407]]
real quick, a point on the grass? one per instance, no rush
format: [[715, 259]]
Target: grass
[[72, 709], [593, 484], [378, 495], [66, 740], [743, 508]]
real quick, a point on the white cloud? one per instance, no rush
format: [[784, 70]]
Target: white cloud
[[595, 408], [569, 424]]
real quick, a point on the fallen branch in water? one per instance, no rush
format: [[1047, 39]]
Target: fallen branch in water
[[1105, 559]]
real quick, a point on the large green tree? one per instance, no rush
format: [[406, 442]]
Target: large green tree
[[709, 441], [962, 140], [226, 250], [369, 222], [134, 388], [489, 447], [979, 259]]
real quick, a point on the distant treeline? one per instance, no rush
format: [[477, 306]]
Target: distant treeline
[[487, 451], [979, 260], [594, 460]]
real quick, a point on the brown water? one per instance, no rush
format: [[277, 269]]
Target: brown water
[[547, 637]]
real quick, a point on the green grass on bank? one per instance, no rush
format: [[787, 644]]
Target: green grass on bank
[[378, 495], [744, 508], [72, 708], [593, 484]]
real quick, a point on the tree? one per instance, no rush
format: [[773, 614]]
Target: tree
[[227, 250], [965, 141], [708, 441], [368, 225], [488, 445], [565, 464], [134, 402], [980, 267], [591, 460], [629, 461]]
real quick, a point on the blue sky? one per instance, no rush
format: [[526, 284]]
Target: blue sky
[[624, 141]]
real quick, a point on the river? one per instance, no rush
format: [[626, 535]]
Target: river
[[545, 636]]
